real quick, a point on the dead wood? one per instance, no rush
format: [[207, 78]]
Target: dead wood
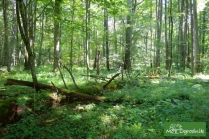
[[149, 77], [98, 77], [71, 94], [52, 120], [71, 76], [104, 86]]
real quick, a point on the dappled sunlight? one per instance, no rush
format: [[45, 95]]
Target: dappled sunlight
[[203, 77]]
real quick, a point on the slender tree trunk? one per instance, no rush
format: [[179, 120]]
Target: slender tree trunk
[[159, 27], [22, 20], [194, 28], [87, 37], [181, 36], [32, 26], [57, 19], [106, 32], [98, 62], [186, 34], [41, 40], [170, 38], [127, 60], [6, 34], [167, 61], [203, 32], [72, 35], [13, 59], [151, 36], [115, 36], [192, 41]]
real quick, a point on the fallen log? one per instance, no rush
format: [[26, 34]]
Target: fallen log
[[98, 77], [70, 94]]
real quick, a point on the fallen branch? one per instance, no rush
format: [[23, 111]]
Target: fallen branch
[[52, 120], [71, 94], [71, 76], [98, 77], [104, 86]]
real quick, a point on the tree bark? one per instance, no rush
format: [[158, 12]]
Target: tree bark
[[167, 59], [106, 32], [194, 36], [57, 19], [159, 28], [170, 38], [181, 35], [72, 35], [22, 20], [14, 33], [87, 42], [127, 60], [41, 40], [6, 34]]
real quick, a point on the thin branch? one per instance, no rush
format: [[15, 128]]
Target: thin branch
[[62, 77], [43, 9], [71, 76], [111, 80]]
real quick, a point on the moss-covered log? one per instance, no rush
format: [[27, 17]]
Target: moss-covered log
[[70, 94]]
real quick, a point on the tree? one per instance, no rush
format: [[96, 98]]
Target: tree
[[127, 60], [167, 59], [87, 43], [72, 34], [158, 31], [106, 36], [6, 34], [170, 48], [57, 30], [195, 41], [14, 33], [182, 49], [23, 11], [41, 40]]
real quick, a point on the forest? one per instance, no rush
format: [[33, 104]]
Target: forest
[[102, 69]]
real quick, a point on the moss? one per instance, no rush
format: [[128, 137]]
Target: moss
[[91, 89]]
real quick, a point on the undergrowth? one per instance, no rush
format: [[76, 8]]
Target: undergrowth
[[146, 105]]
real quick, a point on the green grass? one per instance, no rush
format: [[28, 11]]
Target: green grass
[[146, 105]]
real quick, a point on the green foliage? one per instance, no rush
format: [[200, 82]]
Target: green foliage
[[143, 108]]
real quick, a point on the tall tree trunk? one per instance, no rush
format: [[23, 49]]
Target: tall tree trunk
[[87, 37], [186, 36], [6, 34], [72, 35], [203, 32], [151, 36], [32, 25], [167, 61], [115, 36], [13, 59], [159, 27], [127, 60], [196, 54], [181, 35], [106, 37], [23, 20], [41, 40], [170, 38], [57, 19]]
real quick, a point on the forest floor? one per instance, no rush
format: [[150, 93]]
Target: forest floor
[[146, 104]]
